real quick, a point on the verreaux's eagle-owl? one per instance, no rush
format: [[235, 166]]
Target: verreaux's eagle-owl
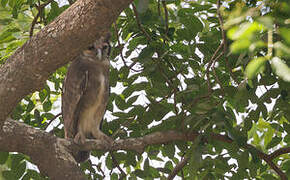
[[85, 95]]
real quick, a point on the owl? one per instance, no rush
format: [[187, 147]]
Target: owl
[[85, 95]]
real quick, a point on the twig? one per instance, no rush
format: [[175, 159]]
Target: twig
[[166, 17], [158, 8], [279, 152], [270, 43], [224, 40], [116, 164], [214, 58], [126, 123], [139, 23], [56, 116], [209, 66], [214, 72], [169, 82], [39, 8], [121, 52], [98, 168], [171, 136], [178, 168], [33, 24], [268, 160]]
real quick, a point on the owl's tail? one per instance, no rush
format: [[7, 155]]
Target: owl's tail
[[82, 156]]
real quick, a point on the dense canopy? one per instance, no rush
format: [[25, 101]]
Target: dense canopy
[[199, 89]]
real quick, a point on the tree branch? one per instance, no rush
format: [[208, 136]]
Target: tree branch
[[220, 18], [178, 168], [54, 118], [37, 144], [139, 23], [48, 152], [39, 8], [279, 152]]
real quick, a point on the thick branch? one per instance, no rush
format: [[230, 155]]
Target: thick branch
[[48, 152], [54, 46], [52, 156]]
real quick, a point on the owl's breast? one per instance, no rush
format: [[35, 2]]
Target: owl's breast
[[95, 99]]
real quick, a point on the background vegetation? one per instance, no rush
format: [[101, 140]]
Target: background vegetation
[[218, 69]]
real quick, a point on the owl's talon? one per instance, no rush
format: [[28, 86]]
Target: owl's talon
[[79, 139], [109, 139]]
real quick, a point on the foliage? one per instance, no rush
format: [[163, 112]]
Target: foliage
[[177, 65]]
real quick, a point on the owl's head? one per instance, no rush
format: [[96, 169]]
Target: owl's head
[[100, 48]]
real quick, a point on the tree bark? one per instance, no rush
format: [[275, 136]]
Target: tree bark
[[48, 152], [55, 45], [53, 156]]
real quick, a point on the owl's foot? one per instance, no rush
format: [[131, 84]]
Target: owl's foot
[[108, 139], [101, 136], [80, 138]]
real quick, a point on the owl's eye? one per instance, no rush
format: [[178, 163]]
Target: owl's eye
[[105, 47], [91, 48]]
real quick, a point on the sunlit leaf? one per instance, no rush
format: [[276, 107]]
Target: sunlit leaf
[[274, 142], [281, 69], [255, 66], [285, 34], [246, 31], [240, 45]]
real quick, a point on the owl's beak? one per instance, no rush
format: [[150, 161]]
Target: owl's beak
[[100, 54]]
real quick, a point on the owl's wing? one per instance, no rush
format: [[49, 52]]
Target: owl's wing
[[74, 85]]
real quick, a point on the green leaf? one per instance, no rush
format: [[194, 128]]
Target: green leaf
[[4, 3], [48, 116], [132, 99], [16, 160], [3, 157], [37, 116], [195, 155], [244, 159], [255, 66], [240, 46], [274, 142], [146, 165], [285, 34], [32, 174], [286, 127], [140, 173], [146, 54], [114, 176], [269, 177], [153, 172], [168, 150], [281, 49], [109, 162], [43, 94], [248, 124], [9, 175], [20, 170], [245, 31], [266, 21], [47, 106], [142, 6], [281, 69], [254, 154], [30, 106], [18, 110]]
